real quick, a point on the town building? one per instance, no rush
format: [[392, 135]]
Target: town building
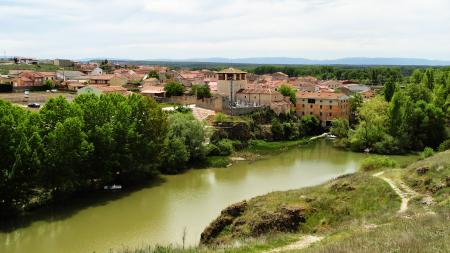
[[28, 79], [325, 106], [63, 63], [264, 97], [102, 89], [280, 76], [230, 81], [71, 75], [100, 80]]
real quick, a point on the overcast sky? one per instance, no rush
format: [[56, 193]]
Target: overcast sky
[[151, 29]]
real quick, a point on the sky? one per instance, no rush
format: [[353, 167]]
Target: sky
[[182, 29]]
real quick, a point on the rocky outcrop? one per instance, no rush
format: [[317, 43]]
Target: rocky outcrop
[[284, 219], [227, 216]]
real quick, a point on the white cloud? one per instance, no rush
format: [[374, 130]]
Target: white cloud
[[146, 29]]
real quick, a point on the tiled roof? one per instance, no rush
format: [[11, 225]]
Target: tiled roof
[[101, 77], [258, 90], [324, 95], [232, 71], [153, 89]]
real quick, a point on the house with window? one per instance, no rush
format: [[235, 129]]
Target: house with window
[[326, 106]]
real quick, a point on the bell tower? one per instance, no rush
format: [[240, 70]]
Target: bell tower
[[230, 81]]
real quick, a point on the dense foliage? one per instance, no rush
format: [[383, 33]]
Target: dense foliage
[[80, 146], [366, 75], [201, 91], [406, 119], [288, 91], [174, 89]]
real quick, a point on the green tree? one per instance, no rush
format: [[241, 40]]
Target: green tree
[[201, 91], [184, 128], [340, 128], [310, 125], [389, 90], [66, 152], [174, 89], [288, 91], [277, 130], [355, 102], [153, 74]]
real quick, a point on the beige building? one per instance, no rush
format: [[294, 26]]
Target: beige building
[[264, 97], [230, 81], [326, 106]]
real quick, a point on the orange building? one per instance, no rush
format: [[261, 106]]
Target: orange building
[[326, 106]]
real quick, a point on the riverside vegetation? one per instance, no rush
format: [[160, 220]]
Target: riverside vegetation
[[70, 148], [401, 120]]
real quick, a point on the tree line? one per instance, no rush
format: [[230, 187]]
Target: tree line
[[79, 146], [402, 119], [366, 75]]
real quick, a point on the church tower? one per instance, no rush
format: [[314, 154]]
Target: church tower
[[230, 81]]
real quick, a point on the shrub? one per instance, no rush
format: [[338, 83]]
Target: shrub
[[444, 146], [374, 163], [277, 130], [220, 117], [427, 152], [174, 89], [212, 150], [225, 147]]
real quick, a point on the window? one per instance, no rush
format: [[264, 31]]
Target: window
[[320, 106], [310, 106], [329, 114], [320, 113], [303, 113], [331, 107], [303, 106], [310, 113], [311, 101]]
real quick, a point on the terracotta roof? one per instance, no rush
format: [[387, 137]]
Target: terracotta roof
[[153, 90], [324, 95], [101, 77], [232, 71], [111, 89], [258, 90], [47, 73]]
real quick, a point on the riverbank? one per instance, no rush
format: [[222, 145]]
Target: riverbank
[[360, 212]]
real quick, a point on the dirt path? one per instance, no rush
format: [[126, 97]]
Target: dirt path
[[304, 242], [406, 193]]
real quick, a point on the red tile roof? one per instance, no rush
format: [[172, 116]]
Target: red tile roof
[[324, 95]]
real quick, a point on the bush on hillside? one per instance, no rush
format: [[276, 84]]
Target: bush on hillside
[[427, 152], [374, 163], [444, 146]]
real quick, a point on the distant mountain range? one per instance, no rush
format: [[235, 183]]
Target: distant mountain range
[[304, 61]]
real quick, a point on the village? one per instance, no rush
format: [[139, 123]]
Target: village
[[230, 91]]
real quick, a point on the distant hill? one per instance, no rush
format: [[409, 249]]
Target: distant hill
[[341, 61], [290, 61]]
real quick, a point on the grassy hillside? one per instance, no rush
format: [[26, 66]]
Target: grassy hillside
[[319, 209]]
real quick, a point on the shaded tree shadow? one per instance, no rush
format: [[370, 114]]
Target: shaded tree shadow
[[65, 209]]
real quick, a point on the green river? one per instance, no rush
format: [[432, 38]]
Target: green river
[[158, 214]]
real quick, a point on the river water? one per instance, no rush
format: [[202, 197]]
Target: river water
[[158, 214]]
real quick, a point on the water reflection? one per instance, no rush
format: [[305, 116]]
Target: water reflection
[[158, 214]]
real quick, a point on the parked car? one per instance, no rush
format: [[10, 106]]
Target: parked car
[[34, 105]]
